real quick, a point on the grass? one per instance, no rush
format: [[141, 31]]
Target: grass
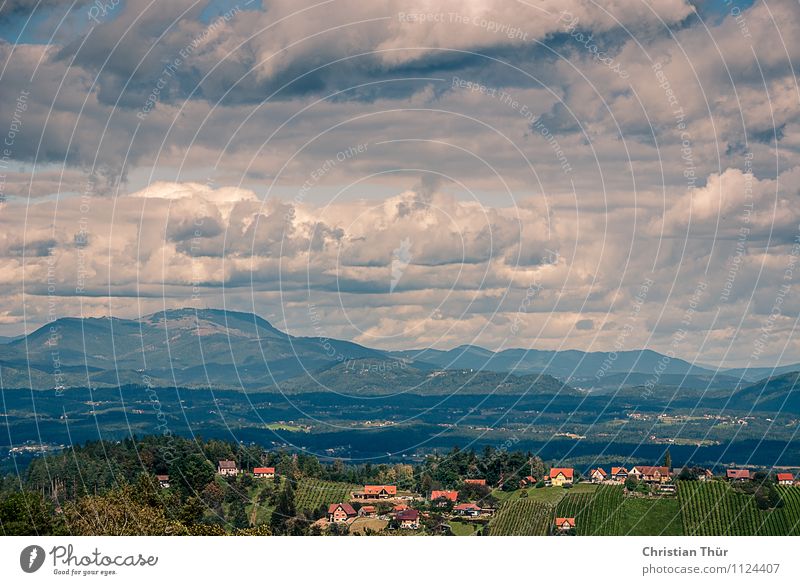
[[463, 528], [647, 517], [359, 525]]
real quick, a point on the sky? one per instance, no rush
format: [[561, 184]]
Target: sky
[[541, 174]]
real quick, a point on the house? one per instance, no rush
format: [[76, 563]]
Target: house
[[704, 474], [163, 480], [737, 474], [651, 474], [561, 476], [564, 524], [340, 513], [619, 474], [667, 489], [475, 481], [527, 480], [598, 475], [368, 512], [470, 509], [266, 472], [400, 507], [785, 479], [376, 492], [444, 495], [408, 519], [227, 467]]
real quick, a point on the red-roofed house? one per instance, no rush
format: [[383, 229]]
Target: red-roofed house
[[339, 513], [469, 509], [565, 524], [527, 480], [619, 474], [598, 475], [163, 480], [475, 481], [561, 475], [267, 472], [368, 511], [400, 507], [444, 495], [737, 474], [651, 474], [785, 479], [408, 519], [376, 492]]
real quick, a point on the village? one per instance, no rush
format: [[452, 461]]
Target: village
[[377, 508]]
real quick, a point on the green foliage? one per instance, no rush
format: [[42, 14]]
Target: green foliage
[[521, 517]]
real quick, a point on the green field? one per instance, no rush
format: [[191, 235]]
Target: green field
[[648, 517], [310, 494], [522, 517], [596, 512]]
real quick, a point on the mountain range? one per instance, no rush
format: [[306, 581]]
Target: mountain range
[[229, 349]]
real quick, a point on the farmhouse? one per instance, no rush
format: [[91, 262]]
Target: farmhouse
[[738, 474], [565, 524], [470, 509], [561, 476], [368, 512], [619, 474], [527, 480], [265, 472], [227, 467], [475, 481], [785, 479], [444, 495], [651, 474], [704, 474], [163, 480], [598, 475], [408, 519], [340, 513], [376, 492]]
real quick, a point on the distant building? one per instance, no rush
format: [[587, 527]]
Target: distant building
[[227, 467], [376, 492], [265, 472], [564, 524], [163, 480], [619, 474], [408, 519], [651, 474], [470, 509], [368, 512], [450, 495], [785, 479], [475, 481], [560, 476], [598, 475], [738, 474], [340, 513]]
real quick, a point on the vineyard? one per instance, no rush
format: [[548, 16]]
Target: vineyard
[[713, 508], [596, 513], [522, 517], [310, 494]]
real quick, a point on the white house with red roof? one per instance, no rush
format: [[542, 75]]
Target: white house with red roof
[[444, 496], [598, 475], [560, 476], [564, 524], [785, 479], [376, 492], [341, 513], [265, 472], [468, 509]]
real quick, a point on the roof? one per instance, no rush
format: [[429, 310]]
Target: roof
[[264, 470], [347, 508], [166, 477], [467, 506], [475, 481], [567, 521], [737, 474], [651, 469], [599, 470], [618, 470], [785, 477], [376, 489], [447, 494], [399, 507], [227, 464], [409, 514], [565, 471], [368, 508]]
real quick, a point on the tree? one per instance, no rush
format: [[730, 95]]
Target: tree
[[668, 460], [284, 511]]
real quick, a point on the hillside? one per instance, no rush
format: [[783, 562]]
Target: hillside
[[778, 393]]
